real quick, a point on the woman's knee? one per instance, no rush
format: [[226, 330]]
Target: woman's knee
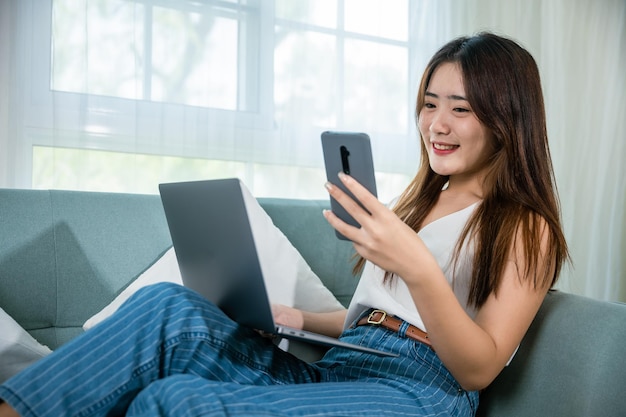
[[162, 300], [161, 295], [160, 290], [178, 309]]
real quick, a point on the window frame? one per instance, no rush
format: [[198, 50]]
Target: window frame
[[47, 109], [45, 112]]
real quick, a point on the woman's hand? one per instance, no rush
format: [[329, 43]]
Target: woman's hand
[[288, 316], [329, 323], [383, 238]]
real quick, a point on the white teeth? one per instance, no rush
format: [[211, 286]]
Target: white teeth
[[443, 147]]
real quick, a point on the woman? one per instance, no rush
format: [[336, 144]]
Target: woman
[[468, 252]]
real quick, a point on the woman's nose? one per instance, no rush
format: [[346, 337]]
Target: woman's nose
[[439, 123]]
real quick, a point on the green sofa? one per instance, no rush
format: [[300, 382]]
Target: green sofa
[[64, 255]]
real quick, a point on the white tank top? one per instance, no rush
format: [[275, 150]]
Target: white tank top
[[440, 237]]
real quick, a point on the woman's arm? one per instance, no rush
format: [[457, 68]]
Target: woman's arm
[[330, 323], [475, 351]]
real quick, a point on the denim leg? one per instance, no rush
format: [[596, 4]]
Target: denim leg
[[166, 330], [190, 396], [351, 384], [417, 373], [162, 330]]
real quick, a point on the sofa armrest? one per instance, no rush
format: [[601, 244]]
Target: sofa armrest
[[570, 363]]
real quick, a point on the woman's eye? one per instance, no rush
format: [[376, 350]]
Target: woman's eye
[[429, 106], [461, 110]]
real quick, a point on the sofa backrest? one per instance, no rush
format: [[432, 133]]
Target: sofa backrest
[[64, 255], [570, 363]]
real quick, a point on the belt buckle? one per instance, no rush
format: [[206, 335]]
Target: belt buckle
[[371, 320]]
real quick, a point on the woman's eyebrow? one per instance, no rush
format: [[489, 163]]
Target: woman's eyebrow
[[450, 97]]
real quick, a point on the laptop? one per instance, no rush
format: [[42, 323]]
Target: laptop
[[217, 256]]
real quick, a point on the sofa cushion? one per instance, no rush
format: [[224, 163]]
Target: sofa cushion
[[569, 363], [330, 258], [18, 349]]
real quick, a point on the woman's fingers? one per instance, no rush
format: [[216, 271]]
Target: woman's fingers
[[352, 206], [362, 194], [339, 225], [363, 209], [288, 316]]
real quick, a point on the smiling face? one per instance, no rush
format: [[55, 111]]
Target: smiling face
[[458, 144]]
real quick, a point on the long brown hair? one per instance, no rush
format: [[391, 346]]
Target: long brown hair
[[503, 87]]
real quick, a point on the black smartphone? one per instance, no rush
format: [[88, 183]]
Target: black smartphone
[[350, 153]]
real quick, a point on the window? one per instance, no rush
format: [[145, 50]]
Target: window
[[175, 52], [342, 66], [187, 89]]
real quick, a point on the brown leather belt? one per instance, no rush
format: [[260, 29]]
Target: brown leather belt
[[381, 318]]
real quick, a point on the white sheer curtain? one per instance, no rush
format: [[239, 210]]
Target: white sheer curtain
[[580, 47], [123, 94], [120, 95]]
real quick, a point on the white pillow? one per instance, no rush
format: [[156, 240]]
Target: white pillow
[[288, 278], [18, 349]]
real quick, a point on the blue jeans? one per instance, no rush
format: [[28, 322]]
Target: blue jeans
[[168, 351]]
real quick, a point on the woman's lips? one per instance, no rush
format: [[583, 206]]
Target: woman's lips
[[442, 148]]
